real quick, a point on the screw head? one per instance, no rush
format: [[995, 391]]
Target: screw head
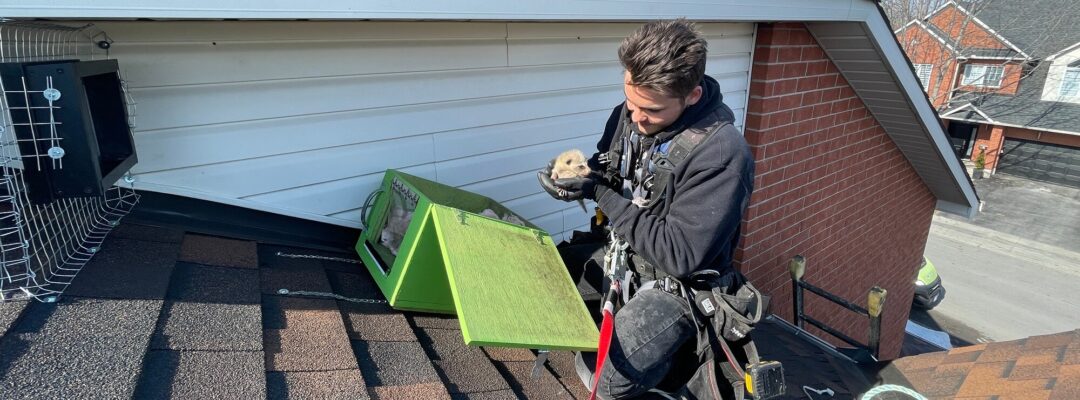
[[51, 94], [56, 152], [94, 249], [129, 179], [49, 299]]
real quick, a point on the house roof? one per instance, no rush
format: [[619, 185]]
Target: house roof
[[1040, 28], [1025, 109], [159, 312], [1039, 367]]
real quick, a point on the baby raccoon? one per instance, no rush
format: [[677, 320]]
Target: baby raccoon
[[571, 164]]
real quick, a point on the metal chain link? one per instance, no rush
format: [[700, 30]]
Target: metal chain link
[[317, 257], [288, 292]]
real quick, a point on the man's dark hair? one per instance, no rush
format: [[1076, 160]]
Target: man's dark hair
[[665, 56]]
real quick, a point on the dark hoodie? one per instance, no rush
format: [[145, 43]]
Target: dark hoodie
[[695, 225]]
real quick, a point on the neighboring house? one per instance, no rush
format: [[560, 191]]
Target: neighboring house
[[1006, 78], [296, 113]]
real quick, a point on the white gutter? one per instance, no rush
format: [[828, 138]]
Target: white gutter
[[1034, 128]]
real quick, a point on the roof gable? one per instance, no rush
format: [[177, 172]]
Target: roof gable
[[967, 30]]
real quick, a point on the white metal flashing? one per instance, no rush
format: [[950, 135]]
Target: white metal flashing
[[973, 108], [1063, 51]]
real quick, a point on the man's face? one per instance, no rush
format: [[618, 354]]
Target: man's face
[[652, 111]]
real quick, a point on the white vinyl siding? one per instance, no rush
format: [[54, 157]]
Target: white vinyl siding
[[923, 72], [983, 75], [1070, 84], [302, 118]]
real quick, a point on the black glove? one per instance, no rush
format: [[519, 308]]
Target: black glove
[[549, 185], [581, 187], [569, 189]]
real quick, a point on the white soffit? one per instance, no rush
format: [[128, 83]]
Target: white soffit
[[915, 128]]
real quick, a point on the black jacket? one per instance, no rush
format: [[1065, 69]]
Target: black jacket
[[696, 224]]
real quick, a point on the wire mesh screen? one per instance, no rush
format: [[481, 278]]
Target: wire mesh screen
[[43, 246]]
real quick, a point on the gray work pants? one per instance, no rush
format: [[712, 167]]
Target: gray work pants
[[651, 332]]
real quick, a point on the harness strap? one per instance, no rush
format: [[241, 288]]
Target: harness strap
[[664, 163]]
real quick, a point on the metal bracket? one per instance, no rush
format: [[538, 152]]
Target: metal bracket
[[541, 359]]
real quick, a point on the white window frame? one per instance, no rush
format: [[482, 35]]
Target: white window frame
[[923, 72], [976, 74], [1070, 84]]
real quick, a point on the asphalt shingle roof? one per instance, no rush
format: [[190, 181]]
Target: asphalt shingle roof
[[77, 348], [1039, 367], [1039, 28], [202, 375], [1025, 108], [208, 325]]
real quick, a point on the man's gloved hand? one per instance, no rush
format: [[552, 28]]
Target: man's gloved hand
[[569, 189]]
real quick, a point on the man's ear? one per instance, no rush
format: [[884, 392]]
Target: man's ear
[[694, 96]]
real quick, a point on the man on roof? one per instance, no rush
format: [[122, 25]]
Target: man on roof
[[672, 177]]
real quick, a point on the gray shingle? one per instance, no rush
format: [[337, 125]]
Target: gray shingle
[[505, 394], [126, 269], [375, 322], [345, 384], [211, 250], [437, 321], [544, 386], [463, 369], [561, 365], [209, 326], [432, 391], [394, 363], [77, 348], [269, 257], [202, 375], [356, 285], [211, 308], [305, 335], [208, 284], [306, 277], [9, 312], [1039, 28]]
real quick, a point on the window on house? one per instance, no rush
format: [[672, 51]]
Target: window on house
[[983, 75], [1070, 84], [923, 72]]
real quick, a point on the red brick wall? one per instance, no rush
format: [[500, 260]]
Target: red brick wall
[[922, 48], [830, 186], [953, 21], [1010, 78], [1044, 137], [993, 137]]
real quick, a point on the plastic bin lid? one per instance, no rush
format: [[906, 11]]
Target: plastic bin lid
[[509, 286]]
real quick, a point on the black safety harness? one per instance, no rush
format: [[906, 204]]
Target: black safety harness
[[725, 306]]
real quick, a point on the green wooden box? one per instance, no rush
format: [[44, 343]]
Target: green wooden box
[[429, 248]]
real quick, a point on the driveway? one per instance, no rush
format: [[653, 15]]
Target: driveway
[[1038, 211], [1013, 271]]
